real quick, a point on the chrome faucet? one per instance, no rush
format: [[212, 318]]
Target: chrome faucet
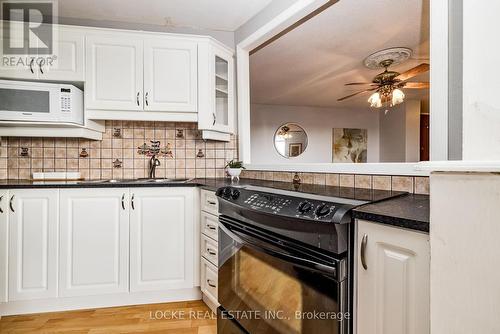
[[153, 163]]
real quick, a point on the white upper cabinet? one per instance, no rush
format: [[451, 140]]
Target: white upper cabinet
[[393, 289], [33, 220], [162, 238], [94, 234], [114, 72], [216, 73], [67, 64], [170, 75]]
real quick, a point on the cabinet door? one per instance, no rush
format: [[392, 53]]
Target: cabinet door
[[162, 238], [33, 219], [393, 292], [94, 237], [17, 66], [69, 52], [170, 75], [4, 244], [223, 91], [114, 73], [216, 75]]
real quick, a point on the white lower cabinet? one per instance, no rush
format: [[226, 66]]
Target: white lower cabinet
[[4, 244], [162, 238], [33, 222], [393, 289], [94, 241], [209, 248]]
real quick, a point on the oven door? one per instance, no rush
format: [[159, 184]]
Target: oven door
[[267, 288], [25, 101]]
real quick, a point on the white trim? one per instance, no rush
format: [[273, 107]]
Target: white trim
[[439, 80], [286, 18], [439, 94], [460, 166], [87, 302], [42, 130], [93, 114], [365, 168]]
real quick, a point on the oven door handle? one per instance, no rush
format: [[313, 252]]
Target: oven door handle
[[256, 242]]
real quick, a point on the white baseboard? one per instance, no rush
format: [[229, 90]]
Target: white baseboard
[[101, 301], [211, 303]]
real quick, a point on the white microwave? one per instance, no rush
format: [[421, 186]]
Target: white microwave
[[23, 101]]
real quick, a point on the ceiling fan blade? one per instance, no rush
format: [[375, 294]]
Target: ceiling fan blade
[[360, 83], [417, 85], [422, 68], [363, 91]]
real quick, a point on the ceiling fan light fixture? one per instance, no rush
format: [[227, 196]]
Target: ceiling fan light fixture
[[375, 100], [397, 96]]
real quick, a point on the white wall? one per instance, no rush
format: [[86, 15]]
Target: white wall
[[400, 133], [464, 232], [481, 73], [318, 124]]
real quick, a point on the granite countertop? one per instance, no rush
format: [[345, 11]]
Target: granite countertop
[[211, 184], [401, 209], [410, 211]]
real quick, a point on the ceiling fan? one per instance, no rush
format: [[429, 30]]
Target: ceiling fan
[[388, 84]]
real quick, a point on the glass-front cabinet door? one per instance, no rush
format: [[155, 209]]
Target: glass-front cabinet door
[[221, 108], [216, 111]]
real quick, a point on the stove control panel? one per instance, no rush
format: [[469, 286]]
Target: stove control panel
[[279, 204]]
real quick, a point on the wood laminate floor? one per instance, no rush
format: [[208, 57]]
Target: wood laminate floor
[[171, 318]]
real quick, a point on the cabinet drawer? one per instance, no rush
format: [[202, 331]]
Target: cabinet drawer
[[209, 202], [209, 279], [209, 249], [210, 225]]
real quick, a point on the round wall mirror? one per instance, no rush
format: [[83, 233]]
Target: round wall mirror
[[290, 140]]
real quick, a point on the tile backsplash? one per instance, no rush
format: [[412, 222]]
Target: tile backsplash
[[117, 155], [411, 184]]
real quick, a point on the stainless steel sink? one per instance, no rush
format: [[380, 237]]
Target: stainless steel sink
[[142, 180], [163, 180]]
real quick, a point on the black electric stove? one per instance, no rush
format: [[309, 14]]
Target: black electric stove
[[285, 261]]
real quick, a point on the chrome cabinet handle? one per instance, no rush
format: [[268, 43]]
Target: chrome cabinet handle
[[132, 202], [211, 227], [31, 65], [11, 205], [1, 198], [209, 282], [363, 251], [123, 201], [211, 252], [146, 97], [138, 99], [215, 118]]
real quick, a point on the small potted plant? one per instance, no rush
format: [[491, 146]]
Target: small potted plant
[[234, 169]]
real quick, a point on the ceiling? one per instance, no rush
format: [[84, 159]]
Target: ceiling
[[201, 14], [310, 64]]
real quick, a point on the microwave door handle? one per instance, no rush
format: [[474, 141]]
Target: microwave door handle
[[262, 246]]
